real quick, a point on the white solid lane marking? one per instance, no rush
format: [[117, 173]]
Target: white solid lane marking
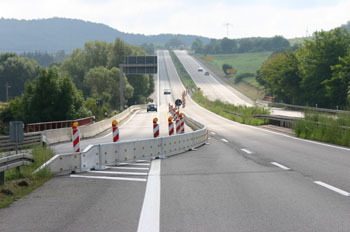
[[135, 164], [224, 140], [149, 218], [280, 166], [213, 133], [342, 192], [246, 151], [122, 173], [132, 116], [129, 168], [109, 178]]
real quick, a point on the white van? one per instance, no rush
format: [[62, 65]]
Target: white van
[[200, 69]]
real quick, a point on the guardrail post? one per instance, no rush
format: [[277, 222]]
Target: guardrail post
[[2, 178]]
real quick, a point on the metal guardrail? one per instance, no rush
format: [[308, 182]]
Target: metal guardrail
[[13, 161], [274, 104], [29, 140], [101, 155]]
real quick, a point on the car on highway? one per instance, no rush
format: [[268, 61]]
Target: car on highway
[[206, 73], [152, 107], [200, 69], [167, 91]]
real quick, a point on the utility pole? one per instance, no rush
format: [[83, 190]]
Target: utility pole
[[228, 28], [7, 91]]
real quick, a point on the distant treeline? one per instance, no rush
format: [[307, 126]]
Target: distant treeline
[[316, 74], [45, 59], [229, 46]]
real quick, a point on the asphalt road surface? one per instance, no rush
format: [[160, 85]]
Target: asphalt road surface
[[245, 179]]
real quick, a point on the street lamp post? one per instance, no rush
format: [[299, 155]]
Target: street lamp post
[[7, 91]]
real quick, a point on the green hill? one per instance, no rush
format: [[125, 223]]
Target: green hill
[[56, 34]]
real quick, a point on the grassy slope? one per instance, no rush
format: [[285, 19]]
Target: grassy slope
[[243, 63], [14, 188]]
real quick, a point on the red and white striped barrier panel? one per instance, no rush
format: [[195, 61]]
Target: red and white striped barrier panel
[[115, 131], [171, 126], [155, 128], [182, 124], [178, 125], [76, 140]]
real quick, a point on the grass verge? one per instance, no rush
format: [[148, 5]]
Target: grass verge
[[19, 184], [241, 114], [184, 76], [326, 128], [244, 63]]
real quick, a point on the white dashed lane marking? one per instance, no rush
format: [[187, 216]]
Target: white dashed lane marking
[[280, 166], [246, 151], [224, 140], [330, 187]]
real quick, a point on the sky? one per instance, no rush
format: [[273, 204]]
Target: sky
[[210, 18]]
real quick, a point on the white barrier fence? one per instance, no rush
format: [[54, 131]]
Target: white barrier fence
[[98, 156], [65, 134]]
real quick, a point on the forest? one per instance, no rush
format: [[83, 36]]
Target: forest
[[70, 89], [316, 74]]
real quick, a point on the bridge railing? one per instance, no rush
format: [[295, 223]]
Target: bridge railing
[[43, 126]]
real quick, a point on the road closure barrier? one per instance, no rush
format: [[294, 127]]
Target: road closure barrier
[[91, 130], [101, 155], [115, 130]]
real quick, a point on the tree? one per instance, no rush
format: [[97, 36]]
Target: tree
[[228, 45], [197, 45], [337, 86], [50, 97], [96, 53], [316, 60], [16, 71], [279, 75], [74, 66]]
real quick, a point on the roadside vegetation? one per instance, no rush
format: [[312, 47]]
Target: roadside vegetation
[[316, 74], [19, 184], [184, 76], [327, 128], [241, 114]]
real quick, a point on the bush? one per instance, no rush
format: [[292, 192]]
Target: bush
[[241, 76], [225, 67]]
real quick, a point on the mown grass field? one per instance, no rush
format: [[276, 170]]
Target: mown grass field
[[243, 63]]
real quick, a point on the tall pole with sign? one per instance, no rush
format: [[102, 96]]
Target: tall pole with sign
[[138, 65]]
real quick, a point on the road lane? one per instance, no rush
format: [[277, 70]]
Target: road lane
[[220, 186]]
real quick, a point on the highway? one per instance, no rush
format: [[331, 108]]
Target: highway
[[245, 179]]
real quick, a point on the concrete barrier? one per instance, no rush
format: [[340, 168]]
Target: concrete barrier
[[101, 155], [65, 134]]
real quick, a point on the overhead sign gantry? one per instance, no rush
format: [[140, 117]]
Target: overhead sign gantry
[[136, 65]]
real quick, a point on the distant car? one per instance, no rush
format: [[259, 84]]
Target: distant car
[[152, 107], [167, 91], [206, 73], [200, 69]]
